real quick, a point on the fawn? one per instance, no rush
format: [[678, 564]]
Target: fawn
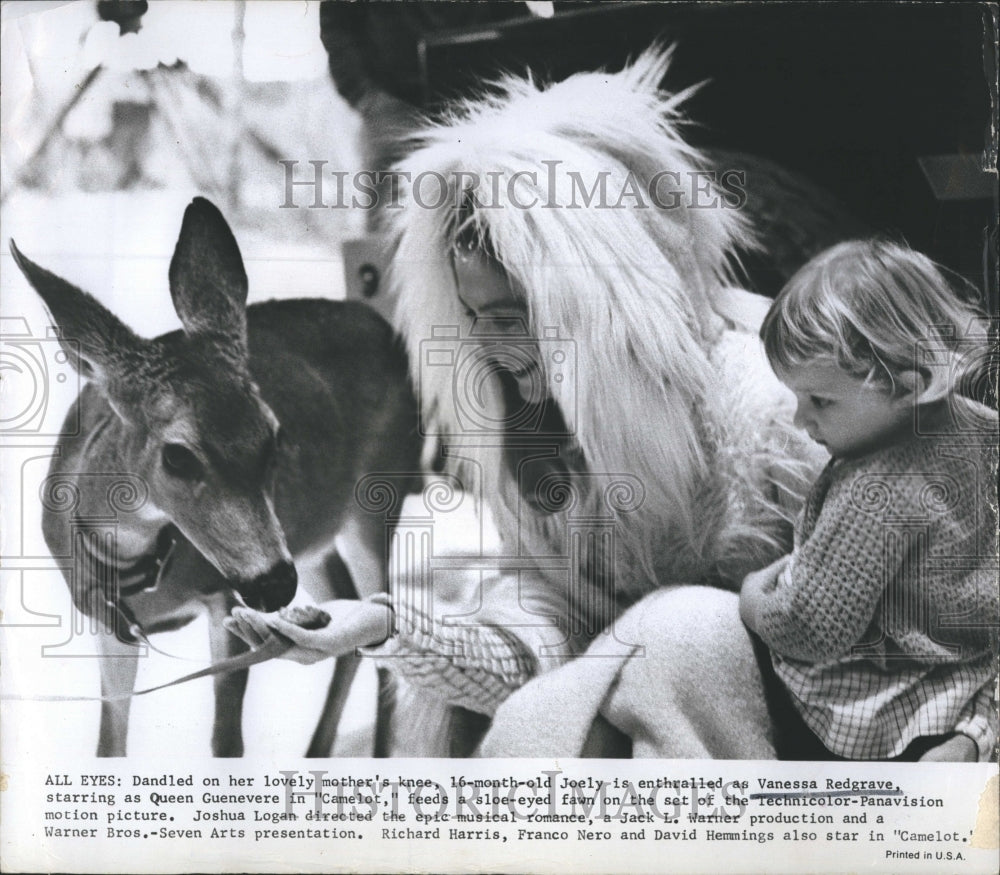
[[248, 431]]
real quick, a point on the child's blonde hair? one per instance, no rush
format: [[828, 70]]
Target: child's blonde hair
[[885, 313]]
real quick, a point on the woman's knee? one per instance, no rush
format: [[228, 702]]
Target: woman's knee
[[685, 628], [695, 688]]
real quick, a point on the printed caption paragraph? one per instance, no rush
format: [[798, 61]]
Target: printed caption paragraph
[[342, 811]]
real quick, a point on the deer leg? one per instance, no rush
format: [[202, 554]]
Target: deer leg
[[325, 735], [363, 543], [465, 730], [384, 713], [227, 728], [341, 584], [367, 538], [119, 666]]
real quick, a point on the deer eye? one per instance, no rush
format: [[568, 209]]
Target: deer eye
[[179, 461]]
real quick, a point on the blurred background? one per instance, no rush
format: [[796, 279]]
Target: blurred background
[[848, 118], [109, 104]]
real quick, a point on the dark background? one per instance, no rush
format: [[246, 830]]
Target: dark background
[[849, 95]]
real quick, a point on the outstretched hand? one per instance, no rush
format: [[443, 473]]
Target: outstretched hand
[[352, 624]]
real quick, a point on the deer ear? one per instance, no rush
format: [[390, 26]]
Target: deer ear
[[207, 281], [97, 343]]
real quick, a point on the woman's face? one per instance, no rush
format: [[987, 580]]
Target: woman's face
[[497, 303]]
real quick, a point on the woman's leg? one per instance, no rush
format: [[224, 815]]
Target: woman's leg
[[697, 690], [678, 675]]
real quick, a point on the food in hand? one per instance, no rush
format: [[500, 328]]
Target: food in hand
[[306, 616]]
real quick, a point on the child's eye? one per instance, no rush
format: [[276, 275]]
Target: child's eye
[[820, 403]]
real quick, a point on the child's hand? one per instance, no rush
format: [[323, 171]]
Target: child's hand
[[755, 585], [957, 749], [352, 624], [767, 578]]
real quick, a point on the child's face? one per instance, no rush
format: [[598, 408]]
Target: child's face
[[842, 412]]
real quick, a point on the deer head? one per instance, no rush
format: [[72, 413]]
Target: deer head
[[192, 421]]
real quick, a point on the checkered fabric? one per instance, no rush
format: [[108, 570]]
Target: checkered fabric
[[863, 714], [476, 667]]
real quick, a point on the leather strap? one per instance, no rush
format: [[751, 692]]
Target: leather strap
[[273, 646]]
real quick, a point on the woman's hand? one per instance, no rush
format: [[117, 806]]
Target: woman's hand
[[957, 749], [352, 624]]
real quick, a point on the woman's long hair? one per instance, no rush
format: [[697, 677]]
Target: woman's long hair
[[624, 256]]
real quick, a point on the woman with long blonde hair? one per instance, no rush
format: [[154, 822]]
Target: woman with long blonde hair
[[563, 264]]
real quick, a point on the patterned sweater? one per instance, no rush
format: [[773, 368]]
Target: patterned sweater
[[883, 624]]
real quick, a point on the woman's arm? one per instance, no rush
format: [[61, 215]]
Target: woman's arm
[[476, 666], [959, 748], [476, 662], [976, 728]]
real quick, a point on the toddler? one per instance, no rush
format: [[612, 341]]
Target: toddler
[[882, 623]]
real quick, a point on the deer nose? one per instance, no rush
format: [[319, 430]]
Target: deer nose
[[272, 590]]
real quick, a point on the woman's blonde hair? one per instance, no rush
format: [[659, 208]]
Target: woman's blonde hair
[[627, 294], [884, 312]]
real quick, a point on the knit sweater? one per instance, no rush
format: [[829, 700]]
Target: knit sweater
[[476, 666], [892, 586], [852, 586]]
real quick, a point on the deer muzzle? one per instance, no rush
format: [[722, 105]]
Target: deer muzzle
[[272, 590]]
